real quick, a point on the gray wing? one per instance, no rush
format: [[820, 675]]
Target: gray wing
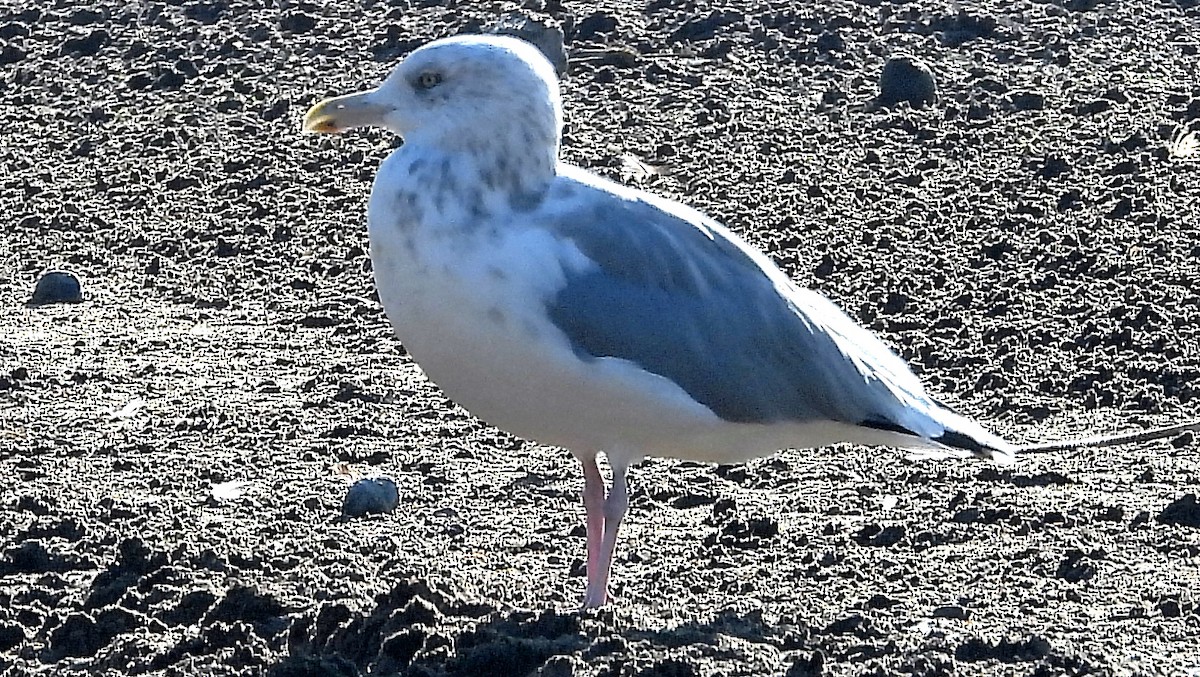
[[682, 297]]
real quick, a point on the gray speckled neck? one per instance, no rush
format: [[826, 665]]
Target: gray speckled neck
[[467, 183]]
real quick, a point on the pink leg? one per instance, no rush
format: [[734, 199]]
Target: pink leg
[[593, 505], [605, 539]]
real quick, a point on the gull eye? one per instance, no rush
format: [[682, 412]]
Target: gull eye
[[428, 80]]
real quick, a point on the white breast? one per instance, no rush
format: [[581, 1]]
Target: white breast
[[468, 303]]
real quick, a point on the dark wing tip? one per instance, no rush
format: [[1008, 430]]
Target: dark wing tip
[[949, 438]]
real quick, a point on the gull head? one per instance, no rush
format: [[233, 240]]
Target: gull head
[[467, 92]]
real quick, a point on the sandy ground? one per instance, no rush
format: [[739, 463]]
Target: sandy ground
[[1029, 242]]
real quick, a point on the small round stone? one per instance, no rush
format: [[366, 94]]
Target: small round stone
[[371, 495], [57, 287], [906, 78], [544, 34]]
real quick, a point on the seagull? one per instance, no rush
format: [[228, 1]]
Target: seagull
[[579, 313]]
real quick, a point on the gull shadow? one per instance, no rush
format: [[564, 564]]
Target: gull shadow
[[419, 629]]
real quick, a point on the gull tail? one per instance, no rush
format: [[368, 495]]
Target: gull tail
[[939, 433], [935, 431], [962, 437], [969, 443]]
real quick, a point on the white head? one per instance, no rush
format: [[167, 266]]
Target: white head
[[469, 92]]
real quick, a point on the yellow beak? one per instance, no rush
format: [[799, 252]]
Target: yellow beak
[[340, 113]]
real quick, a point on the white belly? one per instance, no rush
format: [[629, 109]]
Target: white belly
[[473, 316]]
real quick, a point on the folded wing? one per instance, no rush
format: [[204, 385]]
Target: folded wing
[[681, 296]]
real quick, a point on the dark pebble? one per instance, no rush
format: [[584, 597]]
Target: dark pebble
[[545, 35], [56, 287], [1184, 511], [905, 78], [372, 495]]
